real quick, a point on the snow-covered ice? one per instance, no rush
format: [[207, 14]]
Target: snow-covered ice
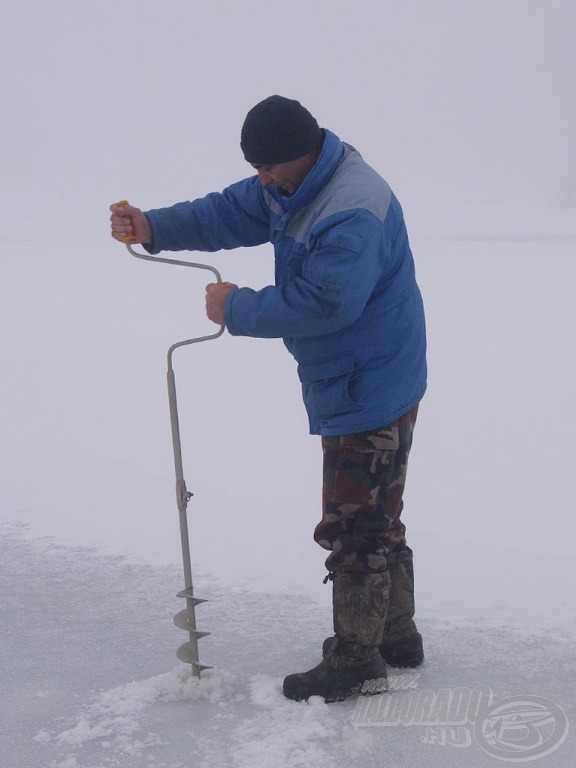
[[90, 546], [92, 680]]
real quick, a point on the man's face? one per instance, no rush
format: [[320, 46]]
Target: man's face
[[286, 177]]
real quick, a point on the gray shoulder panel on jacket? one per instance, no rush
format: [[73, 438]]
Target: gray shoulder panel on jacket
[[354, 185], [274, 205]]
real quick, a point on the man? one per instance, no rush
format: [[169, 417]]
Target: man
[[346, 303]]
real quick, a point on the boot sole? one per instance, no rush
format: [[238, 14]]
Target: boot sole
[[332, 698], [297, 689]]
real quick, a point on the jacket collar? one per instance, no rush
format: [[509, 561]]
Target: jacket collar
[[328, 160]]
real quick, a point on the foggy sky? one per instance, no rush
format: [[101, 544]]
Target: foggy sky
[[449, 100]]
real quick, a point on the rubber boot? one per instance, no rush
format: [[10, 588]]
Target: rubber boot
[[353, 664], [402, 643]]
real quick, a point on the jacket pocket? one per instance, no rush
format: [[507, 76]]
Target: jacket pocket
[[326, 386], [289, 260]]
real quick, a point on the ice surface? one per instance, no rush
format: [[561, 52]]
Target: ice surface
[[83, 684], [87, 641]]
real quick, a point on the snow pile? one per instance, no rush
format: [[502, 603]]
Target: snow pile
[[264, 728], [114, 717], [287, 734]]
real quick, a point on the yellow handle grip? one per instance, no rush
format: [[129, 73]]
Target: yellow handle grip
[[126, 238]]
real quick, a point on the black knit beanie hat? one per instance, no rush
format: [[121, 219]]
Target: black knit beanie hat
[[278, 130]]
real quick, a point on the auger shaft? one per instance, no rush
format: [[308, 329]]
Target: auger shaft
[[185, 619]]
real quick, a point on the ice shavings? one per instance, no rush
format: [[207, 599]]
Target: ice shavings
[[114, 717], [288, 734]]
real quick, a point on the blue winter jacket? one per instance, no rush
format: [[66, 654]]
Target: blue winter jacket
[[345, 299]]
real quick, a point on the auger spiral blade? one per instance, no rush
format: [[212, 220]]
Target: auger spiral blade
[[186, 654], [183, 620], [188, 594]]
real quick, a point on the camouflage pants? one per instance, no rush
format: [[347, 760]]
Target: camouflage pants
[[364, 478]]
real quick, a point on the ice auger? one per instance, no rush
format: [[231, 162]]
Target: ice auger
[[185, 619]]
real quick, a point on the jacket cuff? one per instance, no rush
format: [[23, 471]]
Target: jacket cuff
[[228, 315], [150, 247]]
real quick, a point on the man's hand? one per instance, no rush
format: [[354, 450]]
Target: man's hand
[[216, 295], [129, 225]]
